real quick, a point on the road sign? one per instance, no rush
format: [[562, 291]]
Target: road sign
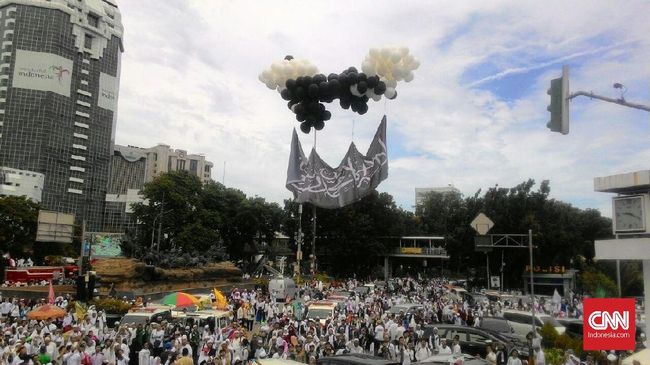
[[483, 244], [495, 281], [482, 224]]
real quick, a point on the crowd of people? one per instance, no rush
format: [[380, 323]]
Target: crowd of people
[[263, 326]]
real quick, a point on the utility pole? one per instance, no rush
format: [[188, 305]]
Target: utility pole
[[299, 238], [162, 204], [503, 264], [532, 283], [313, 242]]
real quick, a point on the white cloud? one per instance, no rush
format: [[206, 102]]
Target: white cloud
[[189, 79]]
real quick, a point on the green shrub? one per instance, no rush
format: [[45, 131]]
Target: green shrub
[[554, 356], [549, 335]]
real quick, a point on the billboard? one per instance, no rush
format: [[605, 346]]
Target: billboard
[[54, 227], [103, 244], [42, 71], [108, 87]]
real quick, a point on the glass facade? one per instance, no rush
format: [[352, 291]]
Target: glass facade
[[69, 139]]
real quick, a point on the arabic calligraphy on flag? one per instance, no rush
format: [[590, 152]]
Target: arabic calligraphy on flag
[[312, 180]]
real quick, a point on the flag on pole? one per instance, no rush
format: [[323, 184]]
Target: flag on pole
[[220, 300], [50, 294], [80, 311]]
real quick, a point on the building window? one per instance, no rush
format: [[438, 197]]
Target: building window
[[93, 20], [88, 41], [180, 165], [193, 166], [4, 82]]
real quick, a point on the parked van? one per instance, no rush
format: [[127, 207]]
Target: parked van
[[146, 315], [321, 311], [521, 321], [210, 317], [283, 288]]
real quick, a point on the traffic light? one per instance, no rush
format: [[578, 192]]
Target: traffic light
[[559, 106]]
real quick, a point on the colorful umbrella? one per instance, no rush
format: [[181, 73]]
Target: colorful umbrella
[[46, 312], [180, 300]]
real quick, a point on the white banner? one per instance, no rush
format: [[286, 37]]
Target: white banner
[[42, 71], [107, 92]]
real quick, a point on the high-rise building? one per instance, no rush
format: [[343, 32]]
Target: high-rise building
[[59, 77], [132, 167]]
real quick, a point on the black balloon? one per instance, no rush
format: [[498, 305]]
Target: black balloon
[[373, 81], [290, 84], [327, 115], [380, 89], [300, 92], [332, 76], [299, 80], [362, 86], [286, 94], [305, 127], [300, 117], [334, 87], [353, 78], [313, 91], [311, 119], [307, 81], [313, 107], [363, 108], [323, 89], [344, 80], [300, 109], [352, 69], [319, 78], [362, 77], [319, 124], [345, 104]]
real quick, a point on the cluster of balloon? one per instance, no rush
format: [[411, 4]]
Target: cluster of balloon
[[299, 83]]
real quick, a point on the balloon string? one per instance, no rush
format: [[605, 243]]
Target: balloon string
[[314, 138], [353, 122]]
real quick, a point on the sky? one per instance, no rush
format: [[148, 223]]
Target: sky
[[474, 116]]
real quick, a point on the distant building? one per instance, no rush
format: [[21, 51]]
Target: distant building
[[132, 167], [421, 193], [21, 183]]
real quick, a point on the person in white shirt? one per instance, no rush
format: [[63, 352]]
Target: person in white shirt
[[444, 349], [97, 357], [540, 358], [144, 356], [422, 351], [456, 346], [513, 359]]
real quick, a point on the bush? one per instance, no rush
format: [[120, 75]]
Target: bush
[[111, 306], [554, 356], [549, 335]]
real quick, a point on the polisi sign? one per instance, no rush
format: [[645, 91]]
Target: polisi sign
[[609, 324], [601, 320]]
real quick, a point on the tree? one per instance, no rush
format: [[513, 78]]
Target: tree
[[18, 224], [560, 231]]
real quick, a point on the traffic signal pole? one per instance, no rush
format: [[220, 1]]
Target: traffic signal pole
[[560, 97], [609, 100]]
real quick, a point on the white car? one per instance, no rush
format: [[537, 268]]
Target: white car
[[521, 321]]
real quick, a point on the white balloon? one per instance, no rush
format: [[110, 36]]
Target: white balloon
[[409, 76], [385, 53], [374, 52], [390, 92], [403, 50], [375, 97], [391, 83], [261, 78], [354, 90], [271, 85], [367, 67], [369, 93], [415, 65]]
